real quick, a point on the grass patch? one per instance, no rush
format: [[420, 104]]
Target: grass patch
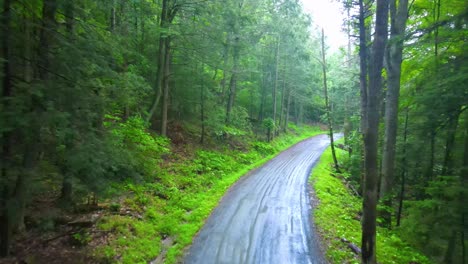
[[337, 216], [177, 202]]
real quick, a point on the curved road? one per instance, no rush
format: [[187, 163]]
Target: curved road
[[265, 218]]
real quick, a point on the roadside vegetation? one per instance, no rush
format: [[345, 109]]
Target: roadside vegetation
[[159, 217], [338, 218]]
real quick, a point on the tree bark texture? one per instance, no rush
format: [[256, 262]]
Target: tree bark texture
[[394, 54], [371, 135], [5, 231]]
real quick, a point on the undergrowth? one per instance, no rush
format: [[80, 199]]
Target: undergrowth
[[337, 217], [163, 215]]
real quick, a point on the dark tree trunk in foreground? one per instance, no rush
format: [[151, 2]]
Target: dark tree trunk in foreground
[[399, 15], [371, 135], [5, 231], [327, 105]]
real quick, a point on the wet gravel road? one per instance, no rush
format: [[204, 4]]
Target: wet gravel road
[[265, 218]]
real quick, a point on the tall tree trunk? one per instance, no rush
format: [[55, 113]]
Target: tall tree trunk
[[363, 65], [280, 125], [165, 99], [398, 17], [161, 61], [263, 97], [403, 170], [327, 105], [202, 106], [226, 48], [5, 231], [112, 16], [234, 76], [430, 167], [447, 167], [67, 184], [275, 87], [288, 104], [371, 135], [363, 75], [464, 182]]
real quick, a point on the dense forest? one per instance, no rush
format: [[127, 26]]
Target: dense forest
[[122, 122]]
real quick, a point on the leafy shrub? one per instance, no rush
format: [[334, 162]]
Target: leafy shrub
[[263, 148]]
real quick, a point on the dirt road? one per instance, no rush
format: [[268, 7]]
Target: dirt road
[[265, 218]]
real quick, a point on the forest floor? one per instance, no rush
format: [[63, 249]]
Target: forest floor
[[153, 220]]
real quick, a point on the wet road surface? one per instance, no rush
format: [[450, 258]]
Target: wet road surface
[[265, 218]]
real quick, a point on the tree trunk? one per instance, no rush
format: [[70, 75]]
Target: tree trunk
[[399, 15], [447, 167], [363, 75], [165, 99], [403, 171], [371, 135], [225, 65], [363, 56], [286, 121], [202, 107], [280, 125], [327, 105], [263, 98], [161, 61], [5, 231], [233, 81], [430, 166], [112, 16], [275, 87], [464, 182]]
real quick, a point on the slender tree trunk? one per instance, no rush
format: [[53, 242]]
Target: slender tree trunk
[[327, 105], [112, 16], [263, 97], [161, 61], [394, 55], [233, 81], [403, 170], [447, 167], [430, 166], [202, 106], [165, 99], [371, 135], [226, 48], [286, 121], [67, 184], [275, 87], [280, 125]]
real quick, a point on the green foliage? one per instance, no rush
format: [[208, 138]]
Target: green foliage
[[175, 206], [338, 203]]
